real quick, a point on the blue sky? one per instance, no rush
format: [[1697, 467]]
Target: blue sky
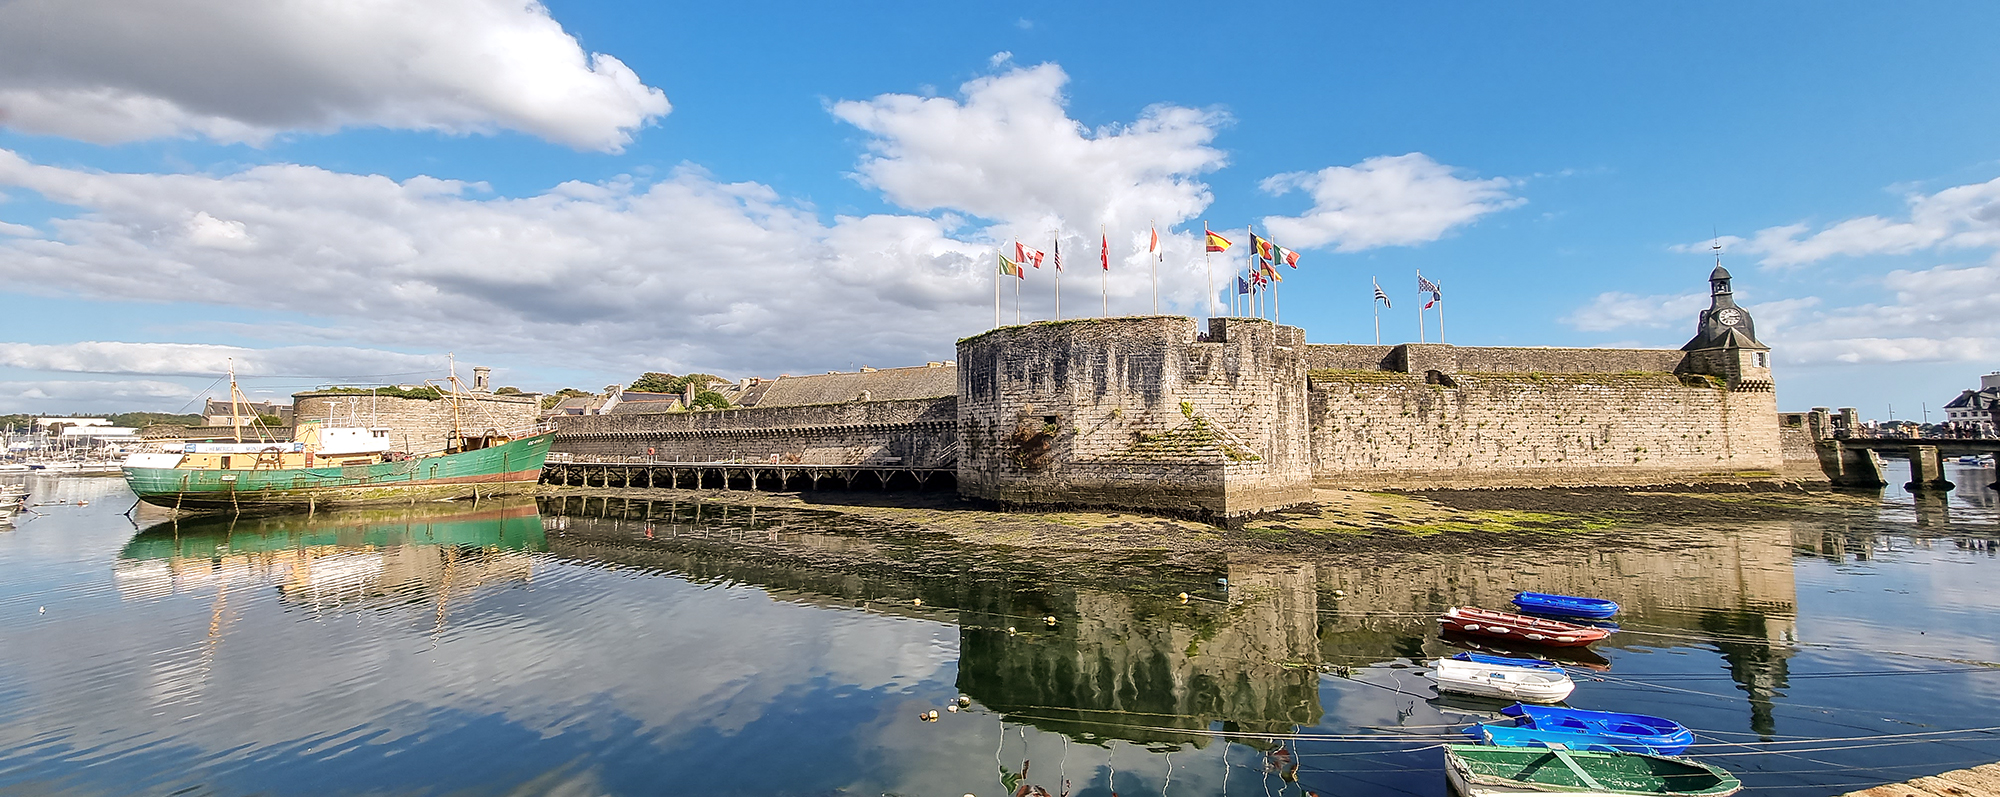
[[576, 193]]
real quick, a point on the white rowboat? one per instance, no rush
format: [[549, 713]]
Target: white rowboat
[[1524, 684]]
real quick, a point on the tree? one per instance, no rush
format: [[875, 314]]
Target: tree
[[508, 391], [655, 382], [550, 401], [709, 399]]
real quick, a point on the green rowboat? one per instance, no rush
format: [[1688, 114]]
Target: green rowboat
[[1477, 771], [510, 467]]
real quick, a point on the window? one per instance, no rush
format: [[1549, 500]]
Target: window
[[1763, 360]]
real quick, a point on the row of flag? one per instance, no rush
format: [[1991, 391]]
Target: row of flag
[[1262, 272]]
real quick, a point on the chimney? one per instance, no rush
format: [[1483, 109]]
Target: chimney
[[482, 379]]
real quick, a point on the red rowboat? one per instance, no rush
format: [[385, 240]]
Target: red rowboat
[[1506, 625]]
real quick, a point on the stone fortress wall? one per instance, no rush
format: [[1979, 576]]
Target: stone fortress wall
[[1137, 412], [417, 426], [1432, 415], [1154, 413]]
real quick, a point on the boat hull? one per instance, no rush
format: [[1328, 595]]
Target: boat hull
[[1479, 771], [1566, 605], [508, 468], [1503, 682], [1505, 625]]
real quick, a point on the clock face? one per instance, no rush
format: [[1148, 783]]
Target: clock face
[[1729, 316]]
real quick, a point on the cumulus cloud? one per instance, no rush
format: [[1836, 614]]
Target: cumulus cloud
[[1009, 152], [1384, 201], [112, 71], [1944, 314], [205, 360], [1960, 217], [686, 272]]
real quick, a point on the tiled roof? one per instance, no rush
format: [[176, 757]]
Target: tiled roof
[[631, 403], [887, 384]]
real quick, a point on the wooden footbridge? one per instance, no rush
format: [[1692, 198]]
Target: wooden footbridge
[[639, 472]]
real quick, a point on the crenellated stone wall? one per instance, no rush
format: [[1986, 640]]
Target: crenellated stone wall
[[919, 432], [1136, 412]]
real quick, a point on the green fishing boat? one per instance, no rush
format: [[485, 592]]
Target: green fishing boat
[[1478, 771], [272, 477]]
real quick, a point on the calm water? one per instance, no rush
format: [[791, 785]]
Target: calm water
[[610, 647]]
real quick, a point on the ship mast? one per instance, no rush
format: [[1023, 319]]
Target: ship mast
[[235, 419]]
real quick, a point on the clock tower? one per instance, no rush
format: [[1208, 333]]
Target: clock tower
[[1725, 340]]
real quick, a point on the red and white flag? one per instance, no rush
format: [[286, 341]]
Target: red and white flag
[[1154, 247], [1104, 254], [1024, 254]]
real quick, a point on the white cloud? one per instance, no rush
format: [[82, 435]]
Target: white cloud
[[685, 272], [96, 394], [1009, 152], [1618, 310], [1944, 314], [112, 71], [1960, 217], [1384, 201], [187, 359]]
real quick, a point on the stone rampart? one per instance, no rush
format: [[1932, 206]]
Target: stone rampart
[[1388, 429], [1136, 412], [918, 432], [1421, 357], [417, 426]]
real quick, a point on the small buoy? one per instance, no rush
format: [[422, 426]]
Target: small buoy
[[934, 715], [1340, 593], [44, 610], [916, 601], [1184, 598], [953, 708], [964, 701], [1051, 619], [1010, 629]]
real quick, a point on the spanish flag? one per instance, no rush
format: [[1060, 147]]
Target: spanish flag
[[1216, 243]]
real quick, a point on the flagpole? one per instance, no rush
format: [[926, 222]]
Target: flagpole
[[1440, 295], [1375, 303], [1256, 290], [1420, 310], [1277, 307], [996, 295], [1104, 273], [1058, 274], [1208, 302], [1159, 256]]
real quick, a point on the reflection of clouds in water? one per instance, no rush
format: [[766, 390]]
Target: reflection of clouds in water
[[578, 653]]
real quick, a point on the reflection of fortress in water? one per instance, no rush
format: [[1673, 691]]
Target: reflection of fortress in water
[[1135, 663], [425, 552]]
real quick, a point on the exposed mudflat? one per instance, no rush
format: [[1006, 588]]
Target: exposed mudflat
[[1340, 522]]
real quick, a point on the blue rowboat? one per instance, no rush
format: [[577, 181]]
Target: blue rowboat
[[1565, 605], [1664, 736], [1507, 661], [1517, 736]]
